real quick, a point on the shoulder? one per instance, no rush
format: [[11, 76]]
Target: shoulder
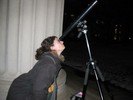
[[49, 57], [49, 60]]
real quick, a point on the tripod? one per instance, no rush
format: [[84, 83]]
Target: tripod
[[83, 29], [92, 64]]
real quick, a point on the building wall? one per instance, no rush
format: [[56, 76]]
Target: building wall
[[23, 26]]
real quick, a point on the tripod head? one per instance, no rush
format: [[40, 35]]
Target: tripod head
[[82, 29]]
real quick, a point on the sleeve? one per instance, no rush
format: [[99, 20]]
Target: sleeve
[[44, 79]]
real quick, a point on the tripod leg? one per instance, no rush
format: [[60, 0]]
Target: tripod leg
[[99, 73], [97, 80], [85, 83], [105, 83]]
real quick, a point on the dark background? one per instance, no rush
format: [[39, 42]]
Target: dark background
[[110, 36], [103, 19]]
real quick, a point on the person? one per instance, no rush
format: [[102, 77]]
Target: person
[[37, 84]]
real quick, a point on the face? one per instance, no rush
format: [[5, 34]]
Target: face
[[58, 46]]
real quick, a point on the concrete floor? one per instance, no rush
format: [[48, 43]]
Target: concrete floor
[[74, 84]]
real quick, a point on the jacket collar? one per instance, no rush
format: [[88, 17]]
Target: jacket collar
[[57, 60]]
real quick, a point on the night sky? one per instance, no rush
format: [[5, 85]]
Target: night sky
[[110, 36], [103, 17]]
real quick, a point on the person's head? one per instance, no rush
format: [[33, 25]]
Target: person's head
[[50, 44]]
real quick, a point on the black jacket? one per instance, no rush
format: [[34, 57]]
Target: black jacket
[[34, 84]]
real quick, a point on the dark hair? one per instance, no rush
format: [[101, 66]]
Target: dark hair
[[45, 46]]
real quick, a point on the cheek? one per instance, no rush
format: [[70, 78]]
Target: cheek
[[57, 47], [62, 47]]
